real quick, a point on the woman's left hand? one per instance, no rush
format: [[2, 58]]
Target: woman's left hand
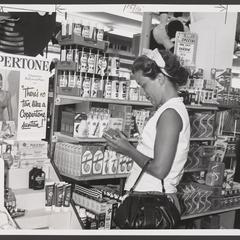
[[119, 143]]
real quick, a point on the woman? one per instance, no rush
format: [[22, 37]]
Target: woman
[[165, 138], [5, 102]]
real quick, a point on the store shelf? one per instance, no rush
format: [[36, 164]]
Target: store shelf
[[85, 42], [228, 106], [194, 170], [65, 138], [202, 107], [94, 177], [210, 213], [203, 139], [121, 54], [66, 66], [65, 99]]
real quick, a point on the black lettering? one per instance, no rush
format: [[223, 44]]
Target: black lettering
[[16, 62]]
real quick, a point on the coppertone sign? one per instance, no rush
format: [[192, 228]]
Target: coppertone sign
[[24, 88]]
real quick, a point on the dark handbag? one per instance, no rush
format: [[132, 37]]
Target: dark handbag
[[147, 210]]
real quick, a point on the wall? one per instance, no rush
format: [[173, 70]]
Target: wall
[[215, 39]]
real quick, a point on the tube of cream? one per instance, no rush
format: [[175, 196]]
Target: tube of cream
[[67, 197], [59, 197], [49, 193]]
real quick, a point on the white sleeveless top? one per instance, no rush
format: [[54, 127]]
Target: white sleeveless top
[[146, 147]]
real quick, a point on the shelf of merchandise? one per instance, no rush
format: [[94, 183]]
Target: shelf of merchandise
[[66, 138], [222, 210], [65, 99], [94, 177]]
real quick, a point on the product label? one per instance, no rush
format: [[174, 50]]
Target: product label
[[69, 55], [87, 158], [100, 34], [86, 87], [86, 32], [98, 162], [91, 63], [77, 30], [84, 62]]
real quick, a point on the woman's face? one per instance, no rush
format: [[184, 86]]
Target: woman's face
[[151, 87]]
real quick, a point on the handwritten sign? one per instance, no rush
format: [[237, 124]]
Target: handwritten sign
[[185, 47], [32, 110]]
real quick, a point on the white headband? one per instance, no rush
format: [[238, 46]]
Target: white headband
[[157, 58]]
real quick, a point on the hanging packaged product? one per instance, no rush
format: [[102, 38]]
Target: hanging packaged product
[[115, 87], [86, 86], [100, 90], [77, 28], [133, 90], [38, 179], [63, 54], [64, 26], [94, 32], [91, 62], [103, 65], [63, 81], [122, 93], [71, 79], [83, 61], [69, 57], [108, 88], [86, 30], [113, 66], [79, 80], [95, 86], [80, 125], [100, 32], [69, 27], [75, 55], [98, 63]]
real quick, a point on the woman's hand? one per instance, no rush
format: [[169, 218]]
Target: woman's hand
[[119, 143]]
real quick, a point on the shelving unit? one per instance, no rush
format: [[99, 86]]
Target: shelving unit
[[65, 138]]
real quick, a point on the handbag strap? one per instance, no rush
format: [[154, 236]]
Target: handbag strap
[[140, 175]]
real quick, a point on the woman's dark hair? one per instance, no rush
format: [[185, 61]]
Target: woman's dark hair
[[173, 26], [150, 69]]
